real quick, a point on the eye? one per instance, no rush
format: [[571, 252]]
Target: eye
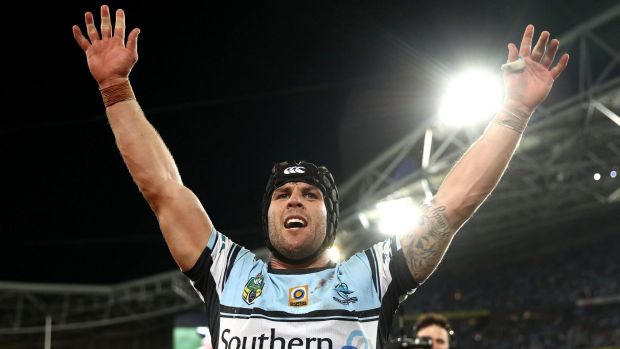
[[282, 196], [311, 195]]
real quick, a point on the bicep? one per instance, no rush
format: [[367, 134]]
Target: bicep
[[184, 223]]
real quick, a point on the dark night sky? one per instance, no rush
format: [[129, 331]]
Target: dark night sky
[[231, 90]]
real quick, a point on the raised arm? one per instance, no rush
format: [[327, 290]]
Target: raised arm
[[183, 220], [479, 170]]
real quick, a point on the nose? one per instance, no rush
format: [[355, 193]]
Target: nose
[[295, 199]]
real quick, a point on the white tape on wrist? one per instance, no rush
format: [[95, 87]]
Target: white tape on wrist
[[515, 66]]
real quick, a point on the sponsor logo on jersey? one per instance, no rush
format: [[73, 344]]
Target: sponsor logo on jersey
[[294, 169], [344, 294], [298, 296], [272, 341], [356, 340], [253, 288]]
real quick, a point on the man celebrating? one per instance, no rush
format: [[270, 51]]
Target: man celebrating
[[299, 299]]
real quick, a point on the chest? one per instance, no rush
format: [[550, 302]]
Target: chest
[[302, 293]]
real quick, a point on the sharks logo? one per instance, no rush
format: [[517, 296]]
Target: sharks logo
[[344, 294], [253, 288]]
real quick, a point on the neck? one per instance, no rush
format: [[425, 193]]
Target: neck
[[319, 262]]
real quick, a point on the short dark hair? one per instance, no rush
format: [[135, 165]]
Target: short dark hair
[[430, 319]]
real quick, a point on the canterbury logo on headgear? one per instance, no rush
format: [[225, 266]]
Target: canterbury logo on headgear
[[295, 169]]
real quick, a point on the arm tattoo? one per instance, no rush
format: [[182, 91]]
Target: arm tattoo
[[425, 246]]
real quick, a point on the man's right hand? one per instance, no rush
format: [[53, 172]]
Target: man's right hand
[[182, 218], [109, 60]]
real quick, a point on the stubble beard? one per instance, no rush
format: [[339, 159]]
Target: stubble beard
[[312, 243]]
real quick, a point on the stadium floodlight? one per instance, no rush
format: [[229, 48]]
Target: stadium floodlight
[[397, 216], [471, 97]]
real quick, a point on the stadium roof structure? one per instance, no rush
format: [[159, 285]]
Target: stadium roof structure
[[551, 177]]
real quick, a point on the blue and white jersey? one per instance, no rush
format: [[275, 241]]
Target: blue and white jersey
[[346, 305]]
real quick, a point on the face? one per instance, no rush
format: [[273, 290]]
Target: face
[[438, 334], [297, 219]]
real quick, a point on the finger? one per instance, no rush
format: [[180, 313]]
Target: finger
[[513, 53], [541, 45], [91, 30], [79, 37], [550, 54], [132, 40], [106, 24], [119, 25], [526, 42], [559, 68]]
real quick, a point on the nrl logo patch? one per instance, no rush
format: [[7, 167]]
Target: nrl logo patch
[[253, 288]]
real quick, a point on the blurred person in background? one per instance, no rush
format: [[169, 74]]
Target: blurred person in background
[[436, 328]]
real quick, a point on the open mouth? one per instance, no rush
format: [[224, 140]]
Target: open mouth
[[295, 222]]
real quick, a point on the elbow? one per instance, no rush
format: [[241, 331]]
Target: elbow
[[157, 194], [457, 210], [461, 214]]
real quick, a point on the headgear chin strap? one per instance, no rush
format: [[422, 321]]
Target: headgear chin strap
[[307, 172]]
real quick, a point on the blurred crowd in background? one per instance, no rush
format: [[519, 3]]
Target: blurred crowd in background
[[568, 298]]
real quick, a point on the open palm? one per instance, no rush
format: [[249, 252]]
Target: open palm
[[109, 59], [529, 87]]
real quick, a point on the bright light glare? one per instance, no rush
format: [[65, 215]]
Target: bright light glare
[[613, 174], [334, 254], [397, 216], [363, 220], [471, 97], [597, 176]]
